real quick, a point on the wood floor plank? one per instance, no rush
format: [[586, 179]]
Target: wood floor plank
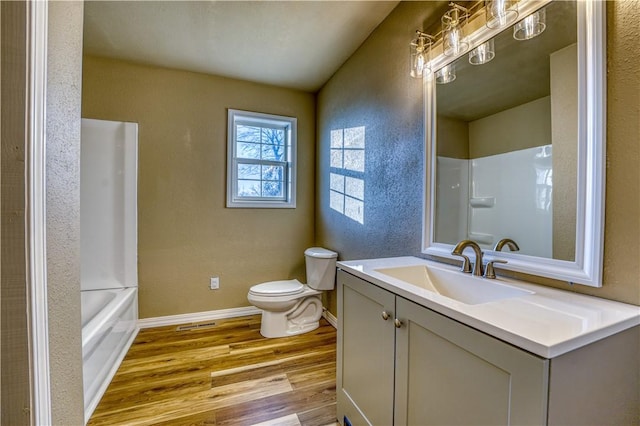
[[181, 340], [173, 358], [280, 405], [289, 364], [227, 374], [212, 399], [225, 332], [290, 420], [312, 375], [321, 416]]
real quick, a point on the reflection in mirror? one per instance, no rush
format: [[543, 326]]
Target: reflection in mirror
[[506, 142], [515, 142]]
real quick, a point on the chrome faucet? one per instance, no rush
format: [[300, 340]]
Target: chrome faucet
[[506, 242], [466, 266]]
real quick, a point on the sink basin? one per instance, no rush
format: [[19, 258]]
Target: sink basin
[[455, 285]]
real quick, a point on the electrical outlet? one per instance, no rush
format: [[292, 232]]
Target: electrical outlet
[[214, 283]]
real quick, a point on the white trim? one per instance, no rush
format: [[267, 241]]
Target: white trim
[[587, 267], [36, 212], [197, 317], [331, 319]]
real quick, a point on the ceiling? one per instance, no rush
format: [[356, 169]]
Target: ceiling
[[295, 44]]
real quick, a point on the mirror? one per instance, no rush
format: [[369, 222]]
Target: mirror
[[516, 145]]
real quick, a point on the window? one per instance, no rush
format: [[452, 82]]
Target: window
[[261, 160]]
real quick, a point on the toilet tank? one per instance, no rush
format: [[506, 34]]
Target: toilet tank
[[321, 268]]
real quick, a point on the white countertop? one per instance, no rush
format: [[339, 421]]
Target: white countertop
[[548, 323]]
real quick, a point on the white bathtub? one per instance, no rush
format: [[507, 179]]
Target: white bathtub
[[109, 325]]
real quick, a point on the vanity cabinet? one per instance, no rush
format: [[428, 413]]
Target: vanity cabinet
[[548, 358], [402, 364]]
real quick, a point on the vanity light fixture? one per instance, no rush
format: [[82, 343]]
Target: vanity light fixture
[[501, 13], [420, 51], [446, 74], [531, 26], [454, 23], [483, 53]]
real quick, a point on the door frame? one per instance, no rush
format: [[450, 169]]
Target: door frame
[[36, 224]]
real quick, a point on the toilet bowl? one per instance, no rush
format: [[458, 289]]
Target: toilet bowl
[[290, 307]]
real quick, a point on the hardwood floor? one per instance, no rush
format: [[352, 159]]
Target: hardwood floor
[[225, 374]]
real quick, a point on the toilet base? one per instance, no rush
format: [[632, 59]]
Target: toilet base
[[302, 318]]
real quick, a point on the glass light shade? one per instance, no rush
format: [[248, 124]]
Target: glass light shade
[[501, 13], [453, 31], [531, 26], [420, 52], [483, 53], [446, 74]]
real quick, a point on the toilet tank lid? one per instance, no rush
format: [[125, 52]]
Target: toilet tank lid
[[321, 253]]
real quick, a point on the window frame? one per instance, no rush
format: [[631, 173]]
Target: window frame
[[262, 120]]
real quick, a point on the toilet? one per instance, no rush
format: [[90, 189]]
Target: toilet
[[290, 307]]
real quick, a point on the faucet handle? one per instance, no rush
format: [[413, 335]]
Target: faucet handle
[[489, 271]]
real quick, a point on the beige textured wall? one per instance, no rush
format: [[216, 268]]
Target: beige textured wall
[[14, 341], [64, 74], [622, 228], [521, 127], [185, 233], [564, 133], [453, 138]]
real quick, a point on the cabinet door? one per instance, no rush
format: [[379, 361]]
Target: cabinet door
[[365, 352], [450, 374]]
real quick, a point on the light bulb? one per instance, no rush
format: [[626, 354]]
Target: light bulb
[[420, 50], [483, 53], [446, 74], [453, 27], [501, 13], [531, 26]]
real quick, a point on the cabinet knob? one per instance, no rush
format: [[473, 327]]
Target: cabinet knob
[[385, 315], [397, 323]]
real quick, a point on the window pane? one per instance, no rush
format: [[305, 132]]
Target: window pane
[[336, 201], [354, 209], [354, 160], [272, 189], [248, 171], [273, 173], [248, 133], [354, 187], [248, 150], [273, 136], [336, 138], [354, 137], [337, 182], [248, 188], [273, 152], [336, 158]]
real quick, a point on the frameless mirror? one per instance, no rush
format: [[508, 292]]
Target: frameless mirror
[[515, 145]]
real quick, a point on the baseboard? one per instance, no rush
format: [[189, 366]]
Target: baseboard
[[331, 319], [197, 317]]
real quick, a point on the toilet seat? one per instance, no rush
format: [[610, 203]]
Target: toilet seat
[[277, 288]]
